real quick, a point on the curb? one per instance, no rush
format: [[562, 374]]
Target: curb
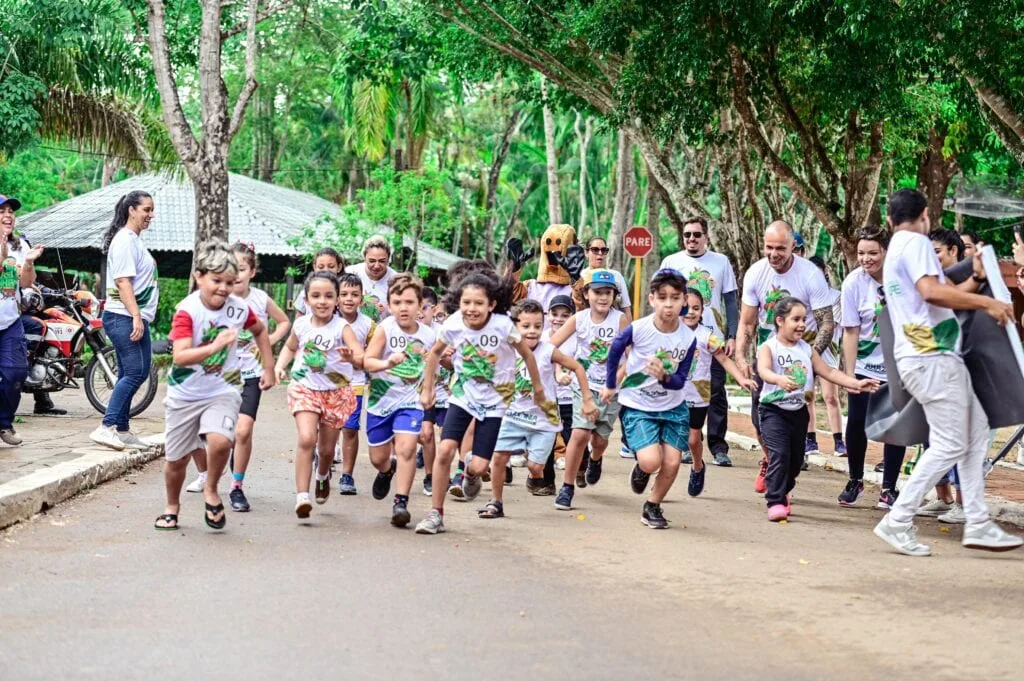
[[42, 490], [1003, 510]]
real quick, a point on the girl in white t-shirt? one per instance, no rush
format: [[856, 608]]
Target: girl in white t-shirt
[[320, 394], [325, 260], [395, 358], [205, 381], [486, 343], [697, 390], [787, 365]]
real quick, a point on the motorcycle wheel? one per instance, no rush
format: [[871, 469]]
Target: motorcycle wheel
[[98, 388]]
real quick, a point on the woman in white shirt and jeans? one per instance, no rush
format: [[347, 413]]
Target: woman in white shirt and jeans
[[132, 297]]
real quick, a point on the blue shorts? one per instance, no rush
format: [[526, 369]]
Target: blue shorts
[[380, 430], [353, 421], [514, 438], [647, 428]]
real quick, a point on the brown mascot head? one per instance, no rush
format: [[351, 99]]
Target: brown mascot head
[[555, 241]]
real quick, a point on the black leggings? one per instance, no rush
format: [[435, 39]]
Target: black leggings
[[783, 432], [857, 442]]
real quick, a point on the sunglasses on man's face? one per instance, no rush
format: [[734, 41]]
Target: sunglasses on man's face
[[692, 235], [597, 250]]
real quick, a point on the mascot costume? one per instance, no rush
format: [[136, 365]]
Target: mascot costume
[[561, 262]]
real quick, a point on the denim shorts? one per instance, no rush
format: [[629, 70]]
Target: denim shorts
[[514, 437], [647, 428], [380, 430]]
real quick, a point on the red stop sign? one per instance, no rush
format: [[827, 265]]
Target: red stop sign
[[638, 242]]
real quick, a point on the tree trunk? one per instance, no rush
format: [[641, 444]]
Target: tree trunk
[[583, 138], [211, 191], [554, 197], [492, 183], [934, 173], [625, 201], [653, 260]]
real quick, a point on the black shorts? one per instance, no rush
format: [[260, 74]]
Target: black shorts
[[251, 394], [435, 415], [457, 422], [697, 417]]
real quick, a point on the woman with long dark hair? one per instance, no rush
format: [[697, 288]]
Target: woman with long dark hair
[[132, 297]]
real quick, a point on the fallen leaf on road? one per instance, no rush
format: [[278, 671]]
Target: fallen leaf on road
[[580, 516], [804, 562]]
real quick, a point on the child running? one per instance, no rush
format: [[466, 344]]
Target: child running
[[395, 359], [654, 408], [435, 317], [594, 329], [559, 312], [697, 391], [485, 343], [528, 426], [350, 300], [250, 361], [788, 365], [204, 384], [320, 394]]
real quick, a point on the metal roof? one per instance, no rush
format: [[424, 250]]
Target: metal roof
[[265, 214]]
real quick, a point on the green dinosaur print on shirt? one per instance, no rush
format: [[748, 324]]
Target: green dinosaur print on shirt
[[524, 386], [411, 368], [598, 351], [379, 387], [476, 364], [215, 362], [940, 338], [314, 358], [8, 278], [178, 374], [702, 281]]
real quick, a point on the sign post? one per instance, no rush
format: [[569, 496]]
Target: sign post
[[638, 242]]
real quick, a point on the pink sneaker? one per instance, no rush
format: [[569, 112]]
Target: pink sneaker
[[778, 512]]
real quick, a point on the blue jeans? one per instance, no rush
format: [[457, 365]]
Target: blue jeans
[[13, 369], [133, 361]]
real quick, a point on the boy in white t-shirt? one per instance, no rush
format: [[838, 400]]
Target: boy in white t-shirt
[[927, 340]]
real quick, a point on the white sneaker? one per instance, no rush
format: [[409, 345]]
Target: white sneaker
[[517, 461], [954, 516], [337, 453], [933, 509], [990, 537], [197, 485], [107, 437], [131, 440], [432, 523], [626, 453], [560, 464], [901, 537]]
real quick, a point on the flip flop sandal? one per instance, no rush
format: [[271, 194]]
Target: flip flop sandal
[[167, 518], [214, 510], [493, 509]]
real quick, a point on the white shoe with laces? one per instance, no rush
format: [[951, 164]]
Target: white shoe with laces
[[902, 537], [107, 437], [197, 485], [990, 537], [954, 516], [131, 440], [933, 509]]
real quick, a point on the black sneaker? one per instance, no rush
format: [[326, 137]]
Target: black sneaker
[[563, 502], [581, 473], [593, 475], [852, 492], [887, 499], [238, 501], [508, 475], [382, 483], [638, 479], [652, 517], [880, 467], [696, 485], [400, 515], [538, 488]]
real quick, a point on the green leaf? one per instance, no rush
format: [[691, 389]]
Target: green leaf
[[378, 389], [634, 380], [178, 374], [946, 334], [865, 348]]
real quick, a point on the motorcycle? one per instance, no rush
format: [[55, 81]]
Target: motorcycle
[[71, 323]]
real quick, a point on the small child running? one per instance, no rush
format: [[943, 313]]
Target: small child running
[[527, 426], [486, 343], [654, 409], [562, 308], [593, 328], [320, 394], [350, 300], [251, 364], [395, 359], [205, 381], [434, 316], [697, 390], [788, 365]]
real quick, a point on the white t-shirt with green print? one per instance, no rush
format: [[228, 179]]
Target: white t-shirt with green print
[[127, 257], [318, 364], [697, 390], [713, 276], [763, 287], [860, 308], [399, 387], [919, 329], [485, 364]]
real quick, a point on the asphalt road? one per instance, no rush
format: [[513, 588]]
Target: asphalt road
[[90, 591]]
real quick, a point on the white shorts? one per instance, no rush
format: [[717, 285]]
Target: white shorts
[[188, 423]]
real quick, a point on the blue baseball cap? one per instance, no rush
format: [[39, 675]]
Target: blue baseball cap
[[14, 203], [600, 278], [798, 241]]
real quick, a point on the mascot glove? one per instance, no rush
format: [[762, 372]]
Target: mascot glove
[[517, 255]]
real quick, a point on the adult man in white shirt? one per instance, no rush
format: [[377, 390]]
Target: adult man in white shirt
[[927, 348], [712, 274]]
